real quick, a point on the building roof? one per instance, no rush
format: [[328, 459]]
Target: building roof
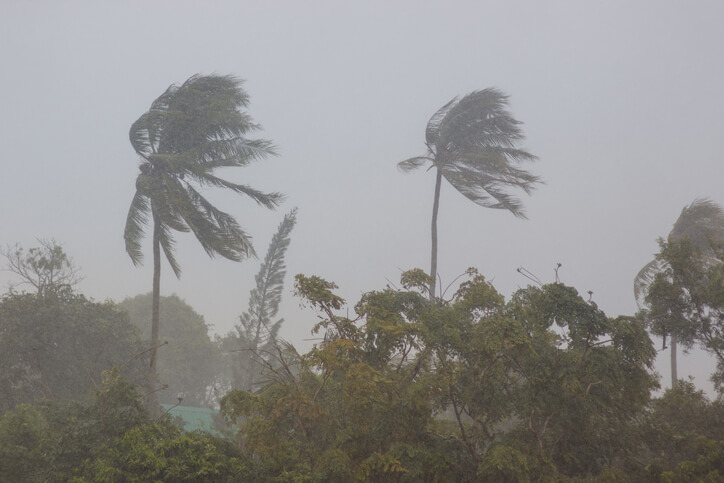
[[194, 418]]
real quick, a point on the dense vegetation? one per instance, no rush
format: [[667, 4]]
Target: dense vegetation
[[541, 387]]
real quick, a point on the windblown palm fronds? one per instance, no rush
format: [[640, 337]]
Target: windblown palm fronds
[[191, 130], [472, 143]]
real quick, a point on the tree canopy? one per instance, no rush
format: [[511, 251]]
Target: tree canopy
[[46, 268], [472, 388], [189, 362], [56, 347], [659, 287]]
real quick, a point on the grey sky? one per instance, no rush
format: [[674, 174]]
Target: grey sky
[[621, 101]]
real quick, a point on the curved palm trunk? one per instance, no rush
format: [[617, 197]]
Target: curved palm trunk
[[674, 375], [433, 256], [151, 398]]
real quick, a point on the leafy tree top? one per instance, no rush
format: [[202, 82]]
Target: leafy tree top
[[47, 268], [702, 223]]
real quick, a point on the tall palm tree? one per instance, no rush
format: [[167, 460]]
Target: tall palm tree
[[702, 222], [191, 130], [472, 143]]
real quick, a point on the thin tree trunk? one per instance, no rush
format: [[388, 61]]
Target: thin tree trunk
[[433, 256], [674, 375], [151, 398], [251, 370]]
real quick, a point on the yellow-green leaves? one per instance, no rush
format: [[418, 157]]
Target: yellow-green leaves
[[463, 389]]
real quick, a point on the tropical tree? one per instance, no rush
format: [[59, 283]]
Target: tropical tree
[[191, 130], [254, 340], [540, 388], [110, 438], [190, 362], [46, 268], [56, 345], [702, 223], [472, 143]]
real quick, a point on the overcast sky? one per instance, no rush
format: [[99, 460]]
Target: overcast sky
[[621, 101]]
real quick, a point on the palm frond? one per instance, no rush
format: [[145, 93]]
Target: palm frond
[[433, 125], [135, 221], [485, 174], [166, 196], [190, 130], [473, 142], [268, 200], [217, 231], [145, 133], [644, 279], [167, 245], [412, 164], [480, 118], [702, 222], [484, 190], [229, 152], [241, 152]]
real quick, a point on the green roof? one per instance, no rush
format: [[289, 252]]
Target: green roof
[[194, 418]]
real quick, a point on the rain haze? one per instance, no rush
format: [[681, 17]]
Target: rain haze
[[621, 102]]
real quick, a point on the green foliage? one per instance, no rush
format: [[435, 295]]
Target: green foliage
[[543, 387], [416, 390], [415, 278], [662, 286], [191, 362], [317, 292], [676, 426], [252, 346], [473, 143], [22, 435], [47, 268], [702, 224], [707, 467], [191, 130], [50, 442], [162, 452], [504, 463], [687, 299], [671, 309], [110, 439], [56, 345]]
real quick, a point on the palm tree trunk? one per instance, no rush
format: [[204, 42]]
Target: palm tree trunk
[[433, 256], [674, 375], [151, 398]]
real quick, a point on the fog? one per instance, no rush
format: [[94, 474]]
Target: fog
[[621, 102]]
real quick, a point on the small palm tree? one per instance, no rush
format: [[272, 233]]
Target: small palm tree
[[702, 223], [189, 132], [472, 143]]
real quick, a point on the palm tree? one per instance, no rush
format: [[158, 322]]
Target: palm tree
[[188, 132], [702, 223], [471, 142]]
